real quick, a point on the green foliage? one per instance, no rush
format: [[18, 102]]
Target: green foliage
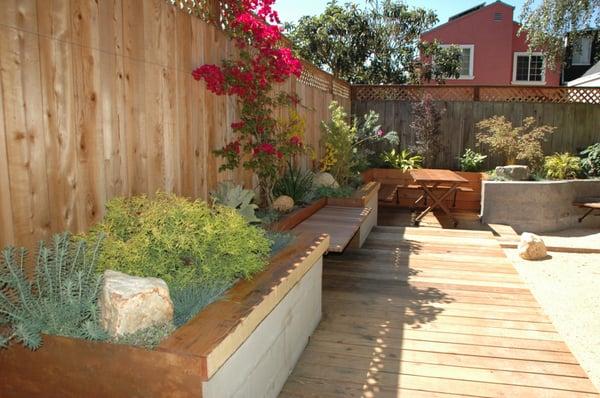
[[426, 126], [148, 338], [179, 241], [562, 166], [348, 145], [235, 196], [402, 160], [188, 300], [377, 44], [546, 23], [279, 240], [471, 160], [60, 299], [295, 183], [369, 135], [344, 191], [522, 143], [590, 160], [268, 216]]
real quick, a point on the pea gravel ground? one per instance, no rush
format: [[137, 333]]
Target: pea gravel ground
[[567, 286]]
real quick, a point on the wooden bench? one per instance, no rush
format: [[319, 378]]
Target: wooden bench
[[390, 192], [342, 224], [590, 203]]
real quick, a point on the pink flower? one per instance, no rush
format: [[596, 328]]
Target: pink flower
[[380, 133], [295, 140]]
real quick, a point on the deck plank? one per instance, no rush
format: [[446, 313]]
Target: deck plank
[[432, 313]]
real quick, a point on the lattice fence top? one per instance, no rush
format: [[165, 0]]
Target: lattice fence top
[[558, 95]]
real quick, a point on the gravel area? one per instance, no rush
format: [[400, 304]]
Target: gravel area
[[567, 287]]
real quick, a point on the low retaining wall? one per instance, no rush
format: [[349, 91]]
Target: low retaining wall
[[537, 206], [262, 364]]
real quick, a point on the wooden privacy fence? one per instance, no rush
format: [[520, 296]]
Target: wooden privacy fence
[[577, 120], [97, 101]]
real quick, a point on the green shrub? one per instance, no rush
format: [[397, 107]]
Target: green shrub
[[471, 160], [561, 166], [180, 241], [190, 300], [402, 160], [590, 160], [279, 240], [235, 196], [522, 143], [295, 183], [331, 192], [60, 299]]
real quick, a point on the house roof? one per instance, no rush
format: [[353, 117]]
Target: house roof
[[468, 12], [594, 69]]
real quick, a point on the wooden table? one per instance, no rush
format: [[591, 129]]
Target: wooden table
[[431, 179]]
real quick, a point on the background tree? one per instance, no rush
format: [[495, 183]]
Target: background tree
[[378, 44], [426, 124], [548, 22]]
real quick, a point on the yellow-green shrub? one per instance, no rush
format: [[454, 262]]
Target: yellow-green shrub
[[180, 241]]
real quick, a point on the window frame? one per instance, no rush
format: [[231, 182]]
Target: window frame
[[471, 48], [590, 40], [516, 56]]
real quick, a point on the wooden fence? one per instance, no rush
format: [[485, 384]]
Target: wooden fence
[[577, 120], [97, 101]]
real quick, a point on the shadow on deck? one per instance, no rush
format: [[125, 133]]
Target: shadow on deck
[[424, 312]]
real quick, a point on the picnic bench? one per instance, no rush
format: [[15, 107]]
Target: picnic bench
[[589, 203]]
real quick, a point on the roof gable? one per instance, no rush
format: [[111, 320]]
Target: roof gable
[[470, 12]]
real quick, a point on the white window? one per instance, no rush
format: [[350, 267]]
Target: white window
[[467, 54], [528, 68], [582, 51]]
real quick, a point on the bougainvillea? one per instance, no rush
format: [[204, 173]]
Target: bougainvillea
[[262, 144]]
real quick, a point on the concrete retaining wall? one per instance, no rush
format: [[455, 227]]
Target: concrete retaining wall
[[537, 206], [262, 364]]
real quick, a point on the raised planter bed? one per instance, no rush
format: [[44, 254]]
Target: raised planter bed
[[246, 344], [405, 197], [537, 206]]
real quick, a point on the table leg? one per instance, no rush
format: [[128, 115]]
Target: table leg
[[437, 202]]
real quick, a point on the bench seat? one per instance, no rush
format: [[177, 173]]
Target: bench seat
[[340, 223]]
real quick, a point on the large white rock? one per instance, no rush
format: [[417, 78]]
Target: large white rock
[[513, 173], [531, 247], [283, 203], [130, 303], [324, 180]]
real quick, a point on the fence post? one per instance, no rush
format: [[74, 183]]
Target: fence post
[[476, 93]]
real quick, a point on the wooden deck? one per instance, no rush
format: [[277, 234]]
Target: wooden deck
[[424, 312]]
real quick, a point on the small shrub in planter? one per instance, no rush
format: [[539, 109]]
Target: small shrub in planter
[[60, 299], [331, 192], [590, 160], [402, 160], [295, 183], [180, 241], [561, 166], [522, 143], [426, 124], [471, 161]]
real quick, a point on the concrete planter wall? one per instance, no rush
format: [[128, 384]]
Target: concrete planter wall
[[537, 206]]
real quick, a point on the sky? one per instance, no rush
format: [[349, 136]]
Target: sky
[[291, 10]]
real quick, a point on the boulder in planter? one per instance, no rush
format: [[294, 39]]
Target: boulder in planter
[[513, 172], [131, 303], [283, 203], [325, 180]]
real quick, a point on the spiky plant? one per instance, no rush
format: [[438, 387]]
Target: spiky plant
[[60, 299], [235, 196]]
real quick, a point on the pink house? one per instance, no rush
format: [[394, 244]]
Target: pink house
[[492, 53]]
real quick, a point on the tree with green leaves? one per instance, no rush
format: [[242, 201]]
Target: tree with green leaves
[[379, 44], [548, 22]]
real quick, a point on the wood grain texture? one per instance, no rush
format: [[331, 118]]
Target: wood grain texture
[[575, 123], [98, 101], [429, 312]]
